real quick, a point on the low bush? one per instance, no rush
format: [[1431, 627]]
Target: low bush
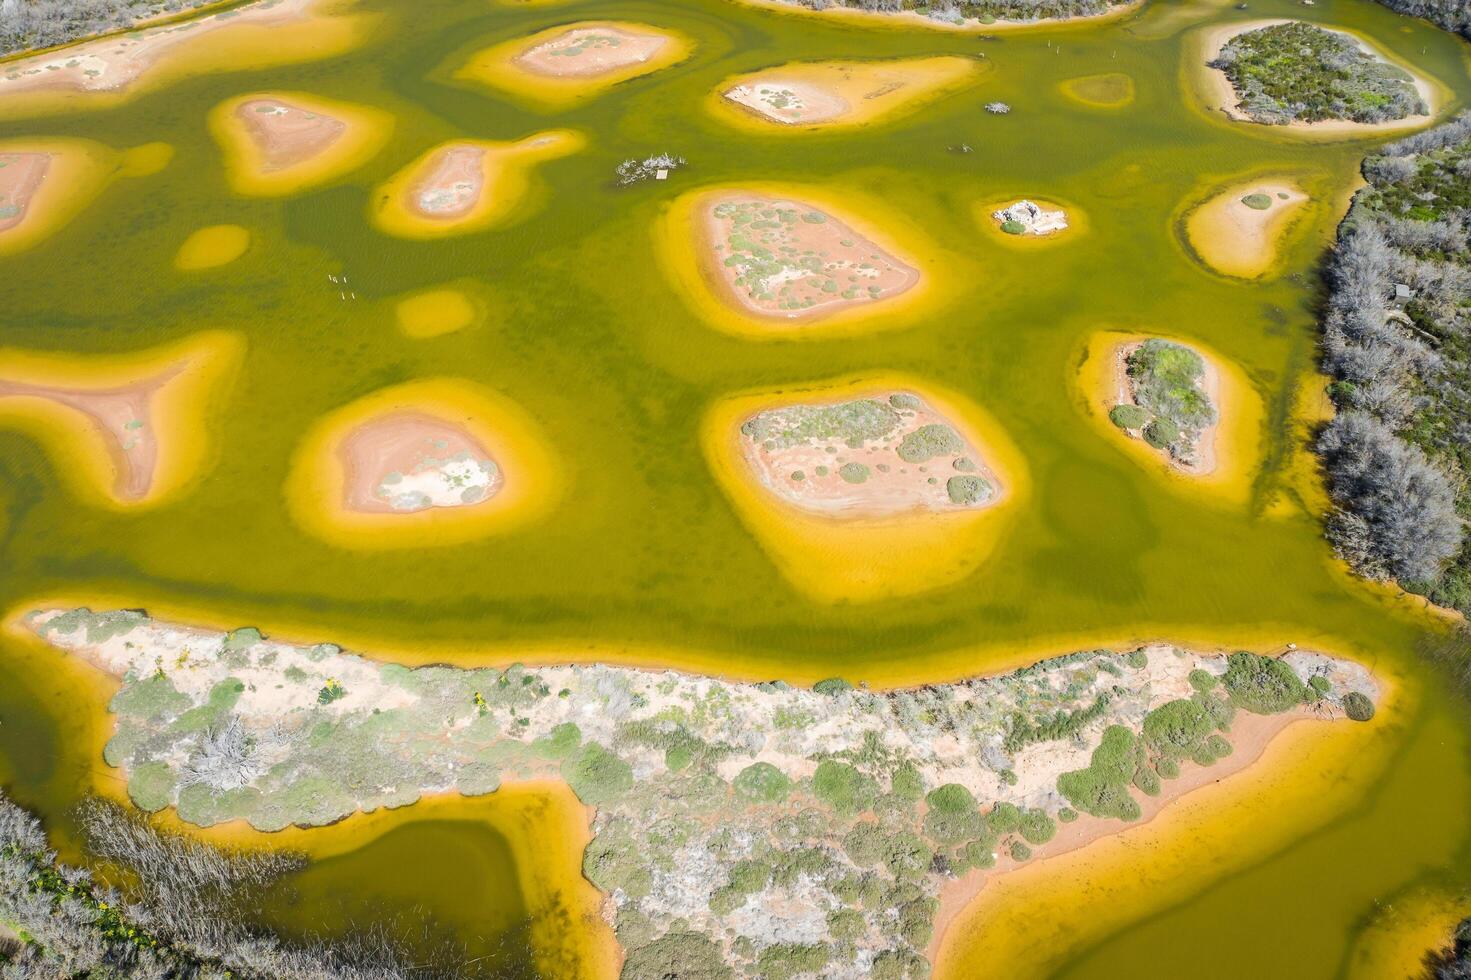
[[1103, 788], [1128, 416], [596, 775], [843, 788], [1358, 706], [761, 782], [1262, 685], [677, 956], [1176, 727]]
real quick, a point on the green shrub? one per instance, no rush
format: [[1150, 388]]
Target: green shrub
[[558, 743], [906, 782], [1220, 710], [1177, 727], [899, 964], [611, 861], [846, 924], [929, 441], [906, 856], [1067, 814], [1128, 416], [1218, 747], [763, 783], [750, 875], [916, 923], [953, 816], [596, 775], [864, 844], [1004, 818], [1137, 659], [832, 686], [1167, 768], [978, 854], [966, 490], [153, 697], [1257, 202], [1037, 827], [1020, 852], [853, 472], [1147, 780], [781, 962], [1103, 788], [1013, 227], [1203, 680], [1161, 432], [1358, 706], [1262, 685], [843, 788], [1319, 684], [677, 956], [151, 786]]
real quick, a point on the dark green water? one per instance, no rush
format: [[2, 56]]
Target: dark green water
[[592, 341]]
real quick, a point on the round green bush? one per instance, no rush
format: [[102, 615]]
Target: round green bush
[[843, 788], [763, 783], [1358, 706], [832, 686], [1202, 680], [1020, 852], [853, 472], [1147, 781], [1161, 432], [929, 441], [1257, 202], [1167, 768], [1012, 227], [1218, 746], [1067, 814], [1037, 827], [596, 775], [1319, 684], [967, 490], [151, 787], [1128, 416]]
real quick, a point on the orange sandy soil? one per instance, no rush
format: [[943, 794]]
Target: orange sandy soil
[[871, 480], [287, 135], [1250, 735], [787, 100], [123, 414], [408, 461], [1205, 444], [832, 268], [588, 52], [453, 186], [111, 63], [21, 175]]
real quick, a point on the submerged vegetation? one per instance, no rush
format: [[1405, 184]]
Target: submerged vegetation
[[1397, 341], [1298, 72], [758, 826]]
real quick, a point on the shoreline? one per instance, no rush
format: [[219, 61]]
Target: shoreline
[[1220, 95], [909, 18]]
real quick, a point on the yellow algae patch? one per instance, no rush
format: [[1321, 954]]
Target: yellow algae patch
[[1230, 450], [1406, 930], [44, 183], [212, 246], [125, 430], [465, 185], [875, 549], [566, 64], [1030, 222], [421, 464], [1112, 90], [855, 265], [833, 94], [1242, 231], [434, 312], [1028, 922], [110, 70], [277, 143], [1218, 98]]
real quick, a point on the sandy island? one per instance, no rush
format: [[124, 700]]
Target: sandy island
[[284, 142], [888, 454], [211, 247], [114, 67], [841, 93], [856, 498], [464, 185], [426, 463], [571, 62], [435, 312], [1112, 90], [1241, 230], [127, 429], [1220, 95], [407, 461], [781, 258], [1205, 444]]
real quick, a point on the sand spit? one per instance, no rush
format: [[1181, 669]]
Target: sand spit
[[1221, 99], [211, 247], [786, 259], [278, 143], [421, 464], [116, 67], [45, 183], [787, 799], [1242, 230], [565, 64], [465, 185], [888, 454], [129, 430], [406, 461], [823, 94], [921, 497]]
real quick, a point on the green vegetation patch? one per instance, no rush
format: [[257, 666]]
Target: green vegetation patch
[[1262, 685], [843, 787], [853, 423], [596, 775], [1257, 202], [1103, 788], [761, 782], [929, 441]]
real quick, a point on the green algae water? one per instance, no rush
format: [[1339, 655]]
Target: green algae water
[[643, 556]]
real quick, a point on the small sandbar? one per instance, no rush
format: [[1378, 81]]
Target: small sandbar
[[115, 67], [406, 461], [284, 142], [130, 429], [435, 312], [1113, 90], [571, 62], [44, 183], [1241, 230], [878, 456], [866, 488], [211, 247], [1221, 98], [20, 177], [465, 185], [1030, 218], [426, 463], [783, 258], [840, 93]]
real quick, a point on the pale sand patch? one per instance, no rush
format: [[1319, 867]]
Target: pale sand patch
[[872, 480], [453, 180], [833, 267], [435, 312], [286, 135], [843, 92], [591, 51], [911, 19], [20, 177], [1206, 445], [1220, 94], [1112, 90], [408, 461], [1237, 240], [211, 247]]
